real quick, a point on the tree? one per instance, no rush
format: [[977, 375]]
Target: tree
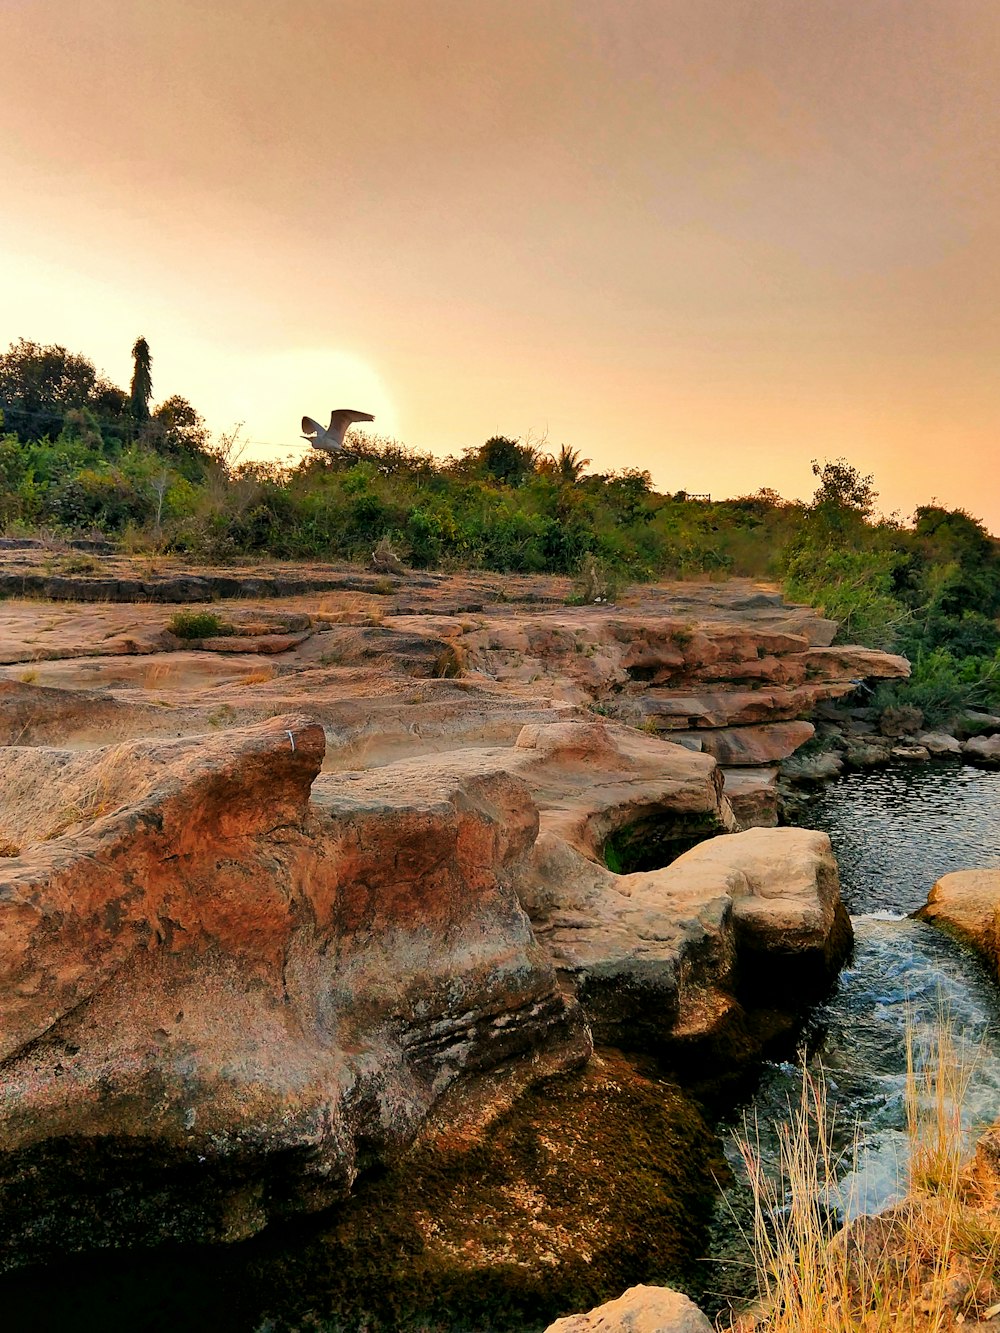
[[141, 390], [567, 467], [507, 461], [842, 486], [177, 431], [39, 385]]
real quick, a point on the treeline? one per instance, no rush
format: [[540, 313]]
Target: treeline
[[80, 455]]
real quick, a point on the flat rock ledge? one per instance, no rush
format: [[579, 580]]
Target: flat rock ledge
[[641, 1309], [229, 983]]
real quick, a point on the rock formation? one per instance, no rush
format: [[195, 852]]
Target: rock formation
[[287, 902], [237, 980], [967, 904]]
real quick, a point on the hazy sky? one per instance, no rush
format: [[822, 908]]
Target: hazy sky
[[714, 238]]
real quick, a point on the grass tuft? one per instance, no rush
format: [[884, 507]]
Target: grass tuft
[[925, 1265]]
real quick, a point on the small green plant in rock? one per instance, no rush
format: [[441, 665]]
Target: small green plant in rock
[[198, 625]]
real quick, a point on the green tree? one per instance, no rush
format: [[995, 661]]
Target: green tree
[[141, 390], [39, 385], [506, 460]]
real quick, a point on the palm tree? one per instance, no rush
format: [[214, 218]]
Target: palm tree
[[569, 465], [142, 381]]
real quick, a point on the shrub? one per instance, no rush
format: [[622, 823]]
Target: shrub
[[198, 625]]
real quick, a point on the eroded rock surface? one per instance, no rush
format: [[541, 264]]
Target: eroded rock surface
[[232, 994], [276, 905]]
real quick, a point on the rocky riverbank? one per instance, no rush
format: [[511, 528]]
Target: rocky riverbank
[[334, 885]]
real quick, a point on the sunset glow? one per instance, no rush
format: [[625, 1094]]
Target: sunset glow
[[714, 240]]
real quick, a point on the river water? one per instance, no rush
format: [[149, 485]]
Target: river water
[[895, 832]]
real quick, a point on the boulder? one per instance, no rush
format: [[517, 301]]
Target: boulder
[[640, 1310], [866, 751], [821, 767], [939, 745], [967, 904], [910, 754], [900, 720], [664, 960], [974, 723], [984, 750], [753, 795]]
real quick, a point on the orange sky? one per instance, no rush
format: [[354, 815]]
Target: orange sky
[[713, 238]]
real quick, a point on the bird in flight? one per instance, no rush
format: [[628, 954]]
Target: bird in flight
[[331, 439]]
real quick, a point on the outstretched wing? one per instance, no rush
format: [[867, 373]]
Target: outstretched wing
[[342, 417], [310, 427]]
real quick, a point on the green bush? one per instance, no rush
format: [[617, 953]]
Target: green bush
[[198, 625]]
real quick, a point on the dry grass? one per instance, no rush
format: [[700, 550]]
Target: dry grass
[[349, 609], [259, 677], [157, 676], [925, 1265]]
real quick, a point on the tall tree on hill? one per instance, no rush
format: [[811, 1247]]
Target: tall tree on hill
[[142, 381]]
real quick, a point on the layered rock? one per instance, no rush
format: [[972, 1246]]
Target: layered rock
[[229, 982], [219, 1001]]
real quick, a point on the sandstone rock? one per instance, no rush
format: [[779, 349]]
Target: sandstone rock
[[846, 663], [939, 745], [664, 958], [228, 991], [640, 1310], [754, 746], [753, 795], [967, 904], [984, 750], [787, 910], [911, 754]]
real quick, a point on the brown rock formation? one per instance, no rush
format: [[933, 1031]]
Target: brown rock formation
[[218, 999]]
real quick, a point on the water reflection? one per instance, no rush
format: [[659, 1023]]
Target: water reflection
[[897, 830]]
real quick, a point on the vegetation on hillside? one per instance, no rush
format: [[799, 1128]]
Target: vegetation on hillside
[[79, 455]]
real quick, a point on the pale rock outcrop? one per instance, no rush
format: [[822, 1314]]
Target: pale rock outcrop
[[667, 957], [641, 1309], [967, 904]]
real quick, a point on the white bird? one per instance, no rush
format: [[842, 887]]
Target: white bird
[[331, 439]]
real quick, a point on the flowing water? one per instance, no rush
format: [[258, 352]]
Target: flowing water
[[895, 832]]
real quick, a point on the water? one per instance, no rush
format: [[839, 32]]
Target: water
[[895, 832]]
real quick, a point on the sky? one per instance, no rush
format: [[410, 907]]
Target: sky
[[716, 239]]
